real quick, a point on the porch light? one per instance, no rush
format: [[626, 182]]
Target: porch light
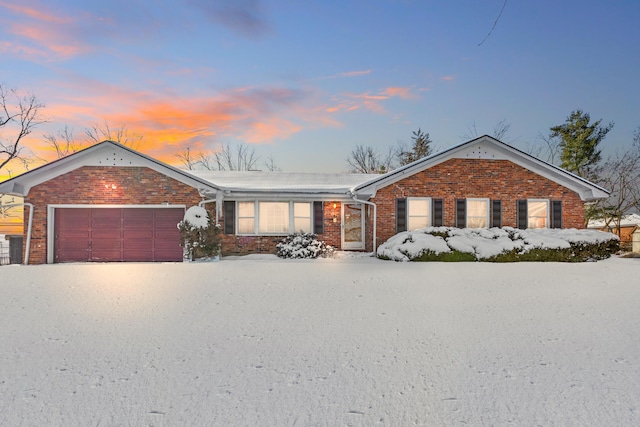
[[111, 186]]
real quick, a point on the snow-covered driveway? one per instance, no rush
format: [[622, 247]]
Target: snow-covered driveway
[[339, 342]]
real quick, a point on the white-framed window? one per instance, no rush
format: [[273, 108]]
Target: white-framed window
[[418, 213], [477, 213], [302, 217], [246, 217], [537, 213], [273, 217]]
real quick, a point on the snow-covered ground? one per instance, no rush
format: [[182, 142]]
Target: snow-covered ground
[[328, 342]]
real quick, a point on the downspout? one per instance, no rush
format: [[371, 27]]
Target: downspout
[[204, 202], [375, 219], [29, 227], [218, 201]]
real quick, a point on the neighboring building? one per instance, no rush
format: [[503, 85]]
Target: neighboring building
[[628, 225], [111, 203]]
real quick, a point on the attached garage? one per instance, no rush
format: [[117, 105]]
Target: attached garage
[[112, 234]]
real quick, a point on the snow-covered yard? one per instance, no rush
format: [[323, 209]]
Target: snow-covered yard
[[329, 342]]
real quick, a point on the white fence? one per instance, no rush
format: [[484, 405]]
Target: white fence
[[4, 250]]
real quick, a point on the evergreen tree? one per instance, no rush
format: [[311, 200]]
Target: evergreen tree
[[579, 141], [421, 148]]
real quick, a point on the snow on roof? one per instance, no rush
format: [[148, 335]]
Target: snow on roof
[[627, 221], [283, 181]]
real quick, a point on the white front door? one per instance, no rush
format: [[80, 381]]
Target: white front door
[[352, 226]]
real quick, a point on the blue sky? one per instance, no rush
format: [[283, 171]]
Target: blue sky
[[305, 82]]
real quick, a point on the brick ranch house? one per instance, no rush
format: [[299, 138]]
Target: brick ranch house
[[111, 203]]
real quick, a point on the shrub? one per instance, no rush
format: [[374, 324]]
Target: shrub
[[499, 245], [199, 236], [303, 245]]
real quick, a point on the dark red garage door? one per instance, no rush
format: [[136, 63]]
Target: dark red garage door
[[117, 234]]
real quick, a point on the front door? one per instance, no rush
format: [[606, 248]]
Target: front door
[[352, 226]]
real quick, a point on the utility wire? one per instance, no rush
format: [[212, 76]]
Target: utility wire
[[494, 24]]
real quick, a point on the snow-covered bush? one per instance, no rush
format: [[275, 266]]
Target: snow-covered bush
[[199, 236], [499, 245], [303, 245]]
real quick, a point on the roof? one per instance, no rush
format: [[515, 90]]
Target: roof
[[106, 153], [282, 181], [486, 147], [631, 220], [249, 184]]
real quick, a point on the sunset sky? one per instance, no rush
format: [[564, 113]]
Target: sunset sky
[[307, 81]]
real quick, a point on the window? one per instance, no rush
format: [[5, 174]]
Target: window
[[418, 213], [477, 213], [537, 213], [302, 217], [273, 217], [246, 217]]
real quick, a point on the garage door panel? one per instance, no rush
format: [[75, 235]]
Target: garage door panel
[[77, 233], [168, 218], [105, 218], [105, 233], [138, 218], [137, 234], [117, 234], [81, 255], [106, 245], [71, 220]]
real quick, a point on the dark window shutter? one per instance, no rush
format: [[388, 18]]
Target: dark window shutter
[[401, 215], [438, 213], [521, 213], [318, 217], [556, 214], [461, 213], [496, 213], [229, 217]]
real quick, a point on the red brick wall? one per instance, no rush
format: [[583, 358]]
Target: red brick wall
[[467, 178], [93, 185], [241, 245]]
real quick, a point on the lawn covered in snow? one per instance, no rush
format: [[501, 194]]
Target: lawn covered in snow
[[327, 342]]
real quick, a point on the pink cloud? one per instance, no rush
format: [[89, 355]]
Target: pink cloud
[[169, 123], [354, 73], [447, 78], [38, 14], [372, 102], [401, 92], [41, 34]]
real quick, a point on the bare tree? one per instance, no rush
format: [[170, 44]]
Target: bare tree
[[620, 174], [500, 131], [270, 165], [206, 161], [19, 115], [548, 149], [366, 159], [228, 157], [63, 142], [187, 158], [238, 157], [100, 132]]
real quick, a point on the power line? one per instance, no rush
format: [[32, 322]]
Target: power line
[[494, 24]]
